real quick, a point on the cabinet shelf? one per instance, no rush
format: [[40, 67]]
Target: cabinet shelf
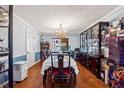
[[4, 71], [4, 54]]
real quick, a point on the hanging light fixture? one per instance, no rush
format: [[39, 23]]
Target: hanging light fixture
[[60, 32]]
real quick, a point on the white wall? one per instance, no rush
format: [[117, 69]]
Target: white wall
[[20, 27], [74, 41], [37, 42], [19, 37]]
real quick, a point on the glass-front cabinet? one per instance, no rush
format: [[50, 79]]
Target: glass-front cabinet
[[92, 41], [95, 40], [89, 40]]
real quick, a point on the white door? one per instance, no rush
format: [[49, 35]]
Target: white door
[[30, 49]]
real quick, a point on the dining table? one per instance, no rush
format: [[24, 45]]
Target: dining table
[[47, 63]]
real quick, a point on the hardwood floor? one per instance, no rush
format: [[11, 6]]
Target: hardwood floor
[[34, 79], [85, 79]]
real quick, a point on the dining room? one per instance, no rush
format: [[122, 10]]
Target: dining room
[[61, 46]]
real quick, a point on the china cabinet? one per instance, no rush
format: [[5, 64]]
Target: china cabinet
[[91, 43]]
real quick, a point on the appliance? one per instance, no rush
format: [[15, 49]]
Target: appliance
[[20, 71]]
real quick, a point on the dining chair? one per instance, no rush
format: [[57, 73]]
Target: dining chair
[[61, 77]]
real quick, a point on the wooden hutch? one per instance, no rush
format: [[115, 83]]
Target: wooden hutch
[[91, 42]]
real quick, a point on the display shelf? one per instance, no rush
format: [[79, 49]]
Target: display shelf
[[3, 26], [7, 28], [44, 47], [116, 55], [92, 40], [4, 54], [116, 52]]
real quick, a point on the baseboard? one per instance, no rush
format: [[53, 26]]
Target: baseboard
[[35, 63]]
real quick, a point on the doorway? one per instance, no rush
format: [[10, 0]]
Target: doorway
[[58, 44], [30, 50]]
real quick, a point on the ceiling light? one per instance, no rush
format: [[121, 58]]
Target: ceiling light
[[60, 32]]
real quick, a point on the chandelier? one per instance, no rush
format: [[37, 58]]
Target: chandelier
[[60, 32]]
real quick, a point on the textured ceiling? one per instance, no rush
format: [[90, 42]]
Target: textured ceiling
[[46, 18]]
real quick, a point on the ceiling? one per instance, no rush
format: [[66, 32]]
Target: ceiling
[[75, 18]]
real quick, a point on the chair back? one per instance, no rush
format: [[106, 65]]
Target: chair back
[[60, 63], [61, 77]]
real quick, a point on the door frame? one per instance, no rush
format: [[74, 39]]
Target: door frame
[[27, 31]]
